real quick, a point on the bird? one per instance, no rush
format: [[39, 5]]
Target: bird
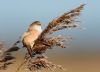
[[29, 37]]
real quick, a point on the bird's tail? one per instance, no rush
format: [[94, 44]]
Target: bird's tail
[[29, 51]]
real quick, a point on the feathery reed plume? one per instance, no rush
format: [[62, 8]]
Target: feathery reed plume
[[6, 57], [40, 63], [67, 20]]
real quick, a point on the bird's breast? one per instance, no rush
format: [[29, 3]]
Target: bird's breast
[[30, 38]]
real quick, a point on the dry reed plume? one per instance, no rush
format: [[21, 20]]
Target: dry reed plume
[[6, 57], [66, 21], [44, 42]]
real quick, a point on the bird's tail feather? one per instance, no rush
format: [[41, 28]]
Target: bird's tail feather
[[29, 51]]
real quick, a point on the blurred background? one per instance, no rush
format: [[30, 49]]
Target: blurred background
[[82, 53]]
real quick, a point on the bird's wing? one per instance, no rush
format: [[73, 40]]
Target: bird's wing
[[67, 20]]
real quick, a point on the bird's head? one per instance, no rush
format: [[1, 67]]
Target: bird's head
[[35, 25]]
